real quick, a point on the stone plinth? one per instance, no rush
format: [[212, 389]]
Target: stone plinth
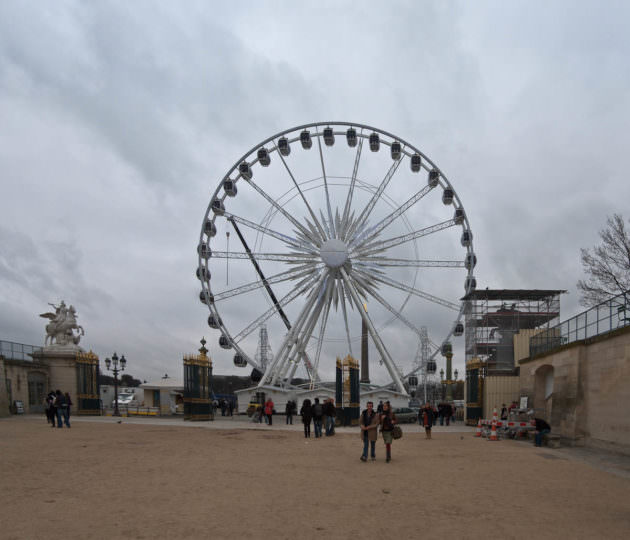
[[62, 367]]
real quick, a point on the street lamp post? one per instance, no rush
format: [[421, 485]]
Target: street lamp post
[[115, 370]]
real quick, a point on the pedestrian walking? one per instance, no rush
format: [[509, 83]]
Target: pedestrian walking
[[388, 421], [307, 414], [261, 413], [329, 416], [318, 413], [60, 405], [269, 411], [368, 422], [288, 410], [425, 417], [67, 409], [51, 411]]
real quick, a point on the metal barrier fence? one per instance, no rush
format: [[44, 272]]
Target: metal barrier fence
[[126, 410], [17, 351], [600, 319]]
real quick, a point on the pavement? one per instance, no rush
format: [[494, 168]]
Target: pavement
[[244, 422], [603, 460]]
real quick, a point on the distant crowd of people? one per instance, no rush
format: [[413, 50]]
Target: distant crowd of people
[[225, 405], [320, 414], [58, 406]]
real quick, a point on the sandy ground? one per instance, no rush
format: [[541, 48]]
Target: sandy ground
[[160, 479]]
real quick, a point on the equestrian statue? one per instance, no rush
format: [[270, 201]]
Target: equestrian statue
[[62, 326]]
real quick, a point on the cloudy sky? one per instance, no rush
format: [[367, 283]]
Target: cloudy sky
[[118, 120]]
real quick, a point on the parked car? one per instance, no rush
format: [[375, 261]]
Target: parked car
[[406, 414], [125, 400]]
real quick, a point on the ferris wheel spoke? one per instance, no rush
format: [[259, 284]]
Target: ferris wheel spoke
[[364, 282], [291, 257], [396, 313], [270, 232], [278, 207], [345, 219], [342, 298], [330, 215], [297, 291], [320, 231], [372, 232], [410, 263], [293, 274], [389, 363], [365, 214], [430, 297], [378, 247]]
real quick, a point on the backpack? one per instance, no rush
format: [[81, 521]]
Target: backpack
[[317, 409], [60, 402]]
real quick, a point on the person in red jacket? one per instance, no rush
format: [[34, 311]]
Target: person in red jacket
[[269, 410]]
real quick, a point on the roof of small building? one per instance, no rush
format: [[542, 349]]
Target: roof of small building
[[164, 382]]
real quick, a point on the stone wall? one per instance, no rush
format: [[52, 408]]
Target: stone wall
[[591, 390], [18, 373], [4, 398]]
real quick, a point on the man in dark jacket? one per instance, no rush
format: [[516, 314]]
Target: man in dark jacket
[[329, 413], [318, 413], [60, 404], [288, 410], [542, 428]]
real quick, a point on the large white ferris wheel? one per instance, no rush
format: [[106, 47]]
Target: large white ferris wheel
[[335, 223]]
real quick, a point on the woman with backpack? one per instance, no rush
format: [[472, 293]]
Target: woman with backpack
[[388, 421], [307, 414]]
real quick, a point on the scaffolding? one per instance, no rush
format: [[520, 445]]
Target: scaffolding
[[494, 316]]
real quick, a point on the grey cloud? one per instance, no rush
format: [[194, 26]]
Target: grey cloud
[[121, 119]]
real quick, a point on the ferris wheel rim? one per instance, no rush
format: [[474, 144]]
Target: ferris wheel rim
[[443, 180]]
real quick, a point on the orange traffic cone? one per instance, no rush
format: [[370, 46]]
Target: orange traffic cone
[[495, 416], [478, 433], [493, 433]]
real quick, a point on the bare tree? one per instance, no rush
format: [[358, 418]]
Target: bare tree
[[607, 266]]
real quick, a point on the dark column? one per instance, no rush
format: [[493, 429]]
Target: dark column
[[365, 368]]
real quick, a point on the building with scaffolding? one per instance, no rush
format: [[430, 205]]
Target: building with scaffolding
[[499, 324]]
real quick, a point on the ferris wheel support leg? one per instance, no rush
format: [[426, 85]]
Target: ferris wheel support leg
[[300, 344], [389, 363], [290, 338], [292, 372], [322, 332], [325, 306]]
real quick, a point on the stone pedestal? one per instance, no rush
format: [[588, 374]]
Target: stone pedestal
[[62, 367]]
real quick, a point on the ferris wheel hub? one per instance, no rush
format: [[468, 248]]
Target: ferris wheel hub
[[334, 253]]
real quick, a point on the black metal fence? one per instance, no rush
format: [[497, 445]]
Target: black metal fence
[[17, 351], [600, 319]]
